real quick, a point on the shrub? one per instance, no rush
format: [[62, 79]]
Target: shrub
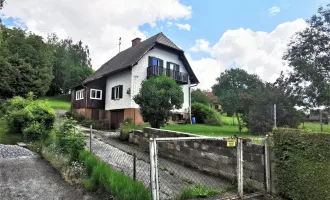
[[41, 111], [75, 116], [125, 128], [197, 191], [100, 175], [205, 114], [16, 117], [36, 131], [69, 140], [302, 164]]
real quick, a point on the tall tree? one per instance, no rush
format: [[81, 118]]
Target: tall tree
[[198, 96], [1, 3], [157, 97], [25, 63], [68, 58], [308, 55], [234, 89]]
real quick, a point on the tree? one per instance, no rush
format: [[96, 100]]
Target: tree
[[234, 89], [157, 97], [68, 58], [308, 55], [25, 63], [1, 4], [198, 96]]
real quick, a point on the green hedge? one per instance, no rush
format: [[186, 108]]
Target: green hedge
[[302, 164], [101, 176]]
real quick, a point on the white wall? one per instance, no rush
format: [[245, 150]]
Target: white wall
[[139, 73], [121, 78]]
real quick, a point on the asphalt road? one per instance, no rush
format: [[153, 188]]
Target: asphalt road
[[32, 178]]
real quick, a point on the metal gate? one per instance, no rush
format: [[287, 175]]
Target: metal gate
[[161, 147]]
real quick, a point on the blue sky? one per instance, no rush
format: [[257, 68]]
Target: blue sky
[[215, 34], [211, 18]]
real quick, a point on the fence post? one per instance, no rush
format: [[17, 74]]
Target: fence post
[[156, 169], [152, 169], [275, 116], [267, 165], [90, 138], [240, 167], [134, 166]]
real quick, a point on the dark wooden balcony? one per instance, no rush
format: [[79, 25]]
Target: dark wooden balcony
[[179, 77]]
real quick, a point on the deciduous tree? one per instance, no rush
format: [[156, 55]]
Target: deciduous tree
[[157, 97]]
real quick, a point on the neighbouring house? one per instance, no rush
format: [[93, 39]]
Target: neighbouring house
[[108, 93], [315, 116], [214, 101]]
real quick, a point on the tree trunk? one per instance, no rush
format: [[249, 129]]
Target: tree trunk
[[239, 122]]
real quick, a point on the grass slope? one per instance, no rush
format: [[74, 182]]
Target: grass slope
[[61, 102]]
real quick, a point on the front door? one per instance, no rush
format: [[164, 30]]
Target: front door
[[117, 117]]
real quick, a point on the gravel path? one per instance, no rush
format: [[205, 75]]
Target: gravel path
[[13, 151]]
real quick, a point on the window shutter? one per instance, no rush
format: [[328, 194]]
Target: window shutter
[[120, 91], [113, 93], [177, 67], [150, 61], [161, 63]]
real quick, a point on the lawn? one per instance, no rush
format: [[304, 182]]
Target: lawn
[[229, 120], [315, 127], [6, 138], [207, 130], [61, 102]]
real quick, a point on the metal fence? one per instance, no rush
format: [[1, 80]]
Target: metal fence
[[171, 167]]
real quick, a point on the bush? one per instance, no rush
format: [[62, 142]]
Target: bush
[[69, 140], [36, 131], [41, 111], [302, 164], [101, 176], [205, 114], [75, 116], [125, 128]]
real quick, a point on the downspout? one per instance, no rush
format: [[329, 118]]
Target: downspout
[[190, 86], [85, 97]]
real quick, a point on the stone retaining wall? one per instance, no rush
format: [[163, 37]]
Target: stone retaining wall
[[211, 156]]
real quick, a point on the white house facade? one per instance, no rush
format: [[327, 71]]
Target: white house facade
[[120, 79]]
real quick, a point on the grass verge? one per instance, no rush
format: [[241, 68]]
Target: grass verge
[[61, 102], [198, 191]]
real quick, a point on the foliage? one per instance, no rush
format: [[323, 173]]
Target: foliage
[[307, 54], [197, 191], [101, 176], [69, 140], [25, 63], [157, 97], [41, 112], [75, 116], [5, 137], [125, 128], [36, 131], [235, 89], [1, 3], [71, 64], [205, 114], [302, 163], [198, 96]]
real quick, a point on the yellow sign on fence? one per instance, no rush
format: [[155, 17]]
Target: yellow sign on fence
[[231, 142]]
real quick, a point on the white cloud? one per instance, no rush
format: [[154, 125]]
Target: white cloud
[[201, 45], [169, 24], [98, 24], [273, 10], [183, 26], [256, 52]]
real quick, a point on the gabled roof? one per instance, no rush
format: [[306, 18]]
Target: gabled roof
[[213, 98], [132, 55]]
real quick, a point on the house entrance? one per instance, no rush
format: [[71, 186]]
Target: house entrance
[[117, 117]]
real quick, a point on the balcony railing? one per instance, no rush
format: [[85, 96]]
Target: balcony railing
[[177, 76]]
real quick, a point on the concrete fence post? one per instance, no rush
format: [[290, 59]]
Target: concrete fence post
[[90, 138], [240, 168], [267, 165]]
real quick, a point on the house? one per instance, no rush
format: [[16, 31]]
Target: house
[[108, 93], [214, 101]]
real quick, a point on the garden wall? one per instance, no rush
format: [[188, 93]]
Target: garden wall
[[211, 156]]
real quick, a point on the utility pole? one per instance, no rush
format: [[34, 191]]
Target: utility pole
[[321, 119], [274, 115]]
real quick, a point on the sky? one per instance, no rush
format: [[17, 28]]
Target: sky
[[215, 34]]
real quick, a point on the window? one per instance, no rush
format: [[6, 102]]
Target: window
[[79, 94], [153, 61], [117, 92], [96, 94]]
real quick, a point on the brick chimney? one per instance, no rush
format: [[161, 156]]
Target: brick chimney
[[136, 41]]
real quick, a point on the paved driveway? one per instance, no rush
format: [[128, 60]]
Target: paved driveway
[[31, 177]]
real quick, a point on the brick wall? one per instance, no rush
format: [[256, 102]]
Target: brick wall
[[211, 156]]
